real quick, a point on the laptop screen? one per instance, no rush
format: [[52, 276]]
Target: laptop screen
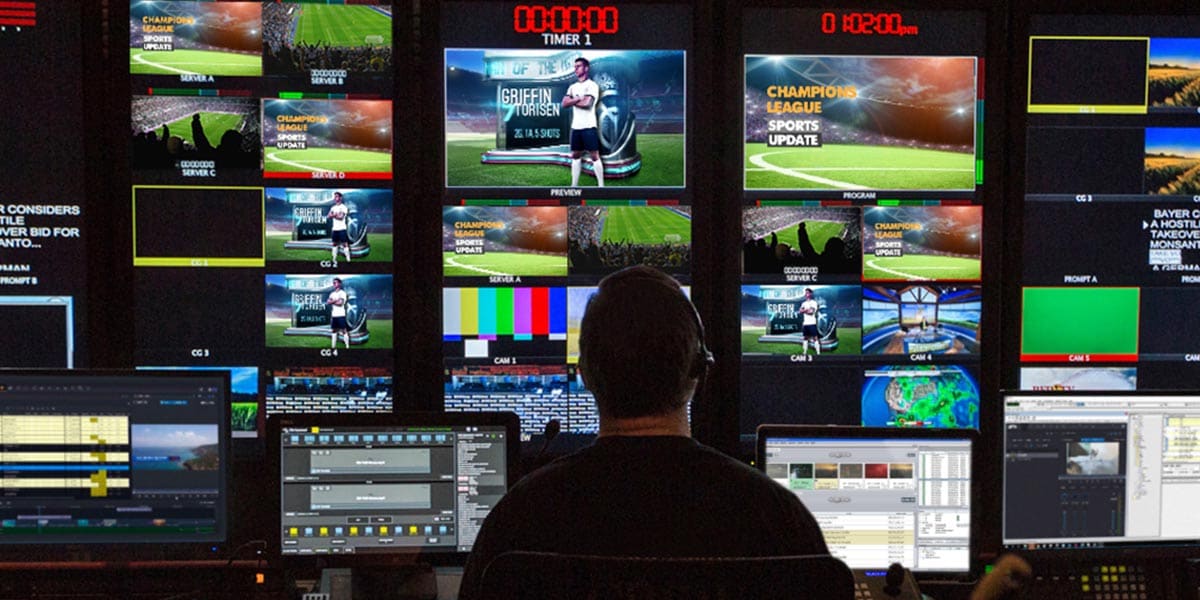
[[881, 500]]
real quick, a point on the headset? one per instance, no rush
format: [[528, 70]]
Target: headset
[[704, 359]]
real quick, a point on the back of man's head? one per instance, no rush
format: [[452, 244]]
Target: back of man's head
[[640, 347]]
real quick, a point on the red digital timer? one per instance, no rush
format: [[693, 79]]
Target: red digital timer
[[535, 18], [864, 23]]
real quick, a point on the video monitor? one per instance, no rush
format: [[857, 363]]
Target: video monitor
[[260, 174], [327, 139], [44, 206], [864, 238], [566, 157], [1107, 213], [205, 38], [1095, 471], [348, 390], [300, 224], [830, 122], [119, 464], [881, 496], [353, 489]]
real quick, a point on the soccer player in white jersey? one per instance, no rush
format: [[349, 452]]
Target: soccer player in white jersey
[[337, 322], [339, 235], [582, 97]]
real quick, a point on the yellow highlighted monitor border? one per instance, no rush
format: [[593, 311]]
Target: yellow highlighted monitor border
[[1086, 109], [198, 261]]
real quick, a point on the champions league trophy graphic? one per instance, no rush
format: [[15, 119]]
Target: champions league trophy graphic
[[785, 321], [311, 229], [535, 129], [311, 316]]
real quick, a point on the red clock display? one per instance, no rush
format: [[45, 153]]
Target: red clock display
[[866, 23], [534, 18]]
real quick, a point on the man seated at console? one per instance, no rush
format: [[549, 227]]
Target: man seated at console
[[645, 488]]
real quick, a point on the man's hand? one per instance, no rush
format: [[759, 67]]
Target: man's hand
[[1005, 580]]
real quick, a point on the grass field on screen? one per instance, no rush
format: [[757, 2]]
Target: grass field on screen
[[194, 62], [930, 267], [646, 225], [327, 159], [342, 25], [845, 166], [503, 263]]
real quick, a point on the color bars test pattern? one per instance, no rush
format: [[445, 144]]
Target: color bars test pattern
[[18, 14], [488, 313]]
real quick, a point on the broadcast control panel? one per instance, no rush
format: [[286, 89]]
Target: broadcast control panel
[[380, 489]]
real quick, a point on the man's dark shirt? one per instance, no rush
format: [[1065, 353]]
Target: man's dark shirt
[[645, 496]]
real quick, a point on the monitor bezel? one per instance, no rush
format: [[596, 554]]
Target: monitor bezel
[[775, 431], [275, 425], [1180, 548], [83, 553]]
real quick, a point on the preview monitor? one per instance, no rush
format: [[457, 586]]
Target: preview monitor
[[360, 487], [880, 496], [114, 465], [1099, 470], [567, 156], [865, 216], [1107, 219]]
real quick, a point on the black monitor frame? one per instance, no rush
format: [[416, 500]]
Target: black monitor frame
[[55, 551], [776, 431], [403, 558], [1106, 550]]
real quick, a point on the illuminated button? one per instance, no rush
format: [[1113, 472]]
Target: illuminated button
[[1084, 578], [1104, 569], [293, 531], [412, 530], [1087, 588], [324, 532], [383, 530], [353, 530], [1121, 569]]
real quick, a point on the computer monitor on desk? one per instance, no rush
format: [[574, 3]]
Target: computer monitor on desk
[[1098, 471], [113, 466], [358, 490], [881, 496]]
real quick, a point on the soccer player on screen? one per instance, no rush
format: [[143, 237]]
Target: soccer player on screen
[[337, 323], [338, 234], [582, 96], [809, 309]]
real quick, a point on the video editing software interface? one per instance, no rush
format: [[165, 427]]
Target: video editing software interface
[[1100, 471], [380, 489], [883, 500], [43, 253], [261, 199], [1110, 261], [862, 217], [103, 459], [527, 230]]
